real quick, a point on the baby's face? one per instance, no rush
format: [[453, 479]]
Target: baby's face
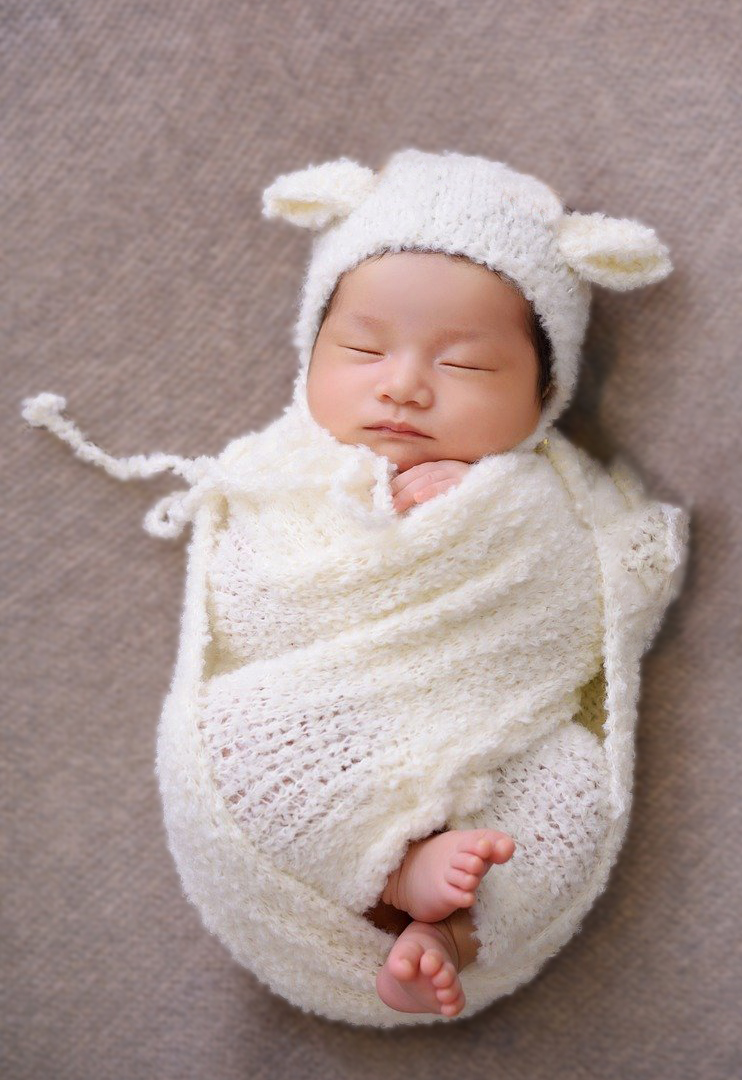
[[418, 339]]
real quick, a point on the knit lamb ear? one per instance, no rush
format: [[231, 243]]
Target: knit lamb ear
[[319, 194], [614, 252]]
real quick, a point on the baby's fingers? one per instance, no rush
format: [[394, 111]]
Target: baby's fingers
[[431, 490], [417, 475], [407, 498]]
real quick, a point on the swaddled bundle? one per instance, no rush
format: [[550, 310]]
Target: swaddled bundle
[[350, 680], [375, 676]]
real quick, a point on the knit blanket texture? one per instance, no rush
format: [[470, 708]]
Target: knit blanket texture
[[350, 679]]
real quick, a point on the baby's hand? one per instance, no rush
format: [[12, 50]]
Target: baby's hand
[[425, 481]]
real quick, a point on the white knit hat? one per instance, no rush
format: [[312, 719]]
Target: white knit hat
[[505, 220]]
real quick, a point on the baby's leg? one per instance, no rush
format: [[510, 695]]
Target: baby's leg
[[442, 872], [388, 918]]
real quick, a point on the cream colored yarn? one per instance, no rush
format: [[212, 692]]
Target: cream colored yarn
[[349, 680]]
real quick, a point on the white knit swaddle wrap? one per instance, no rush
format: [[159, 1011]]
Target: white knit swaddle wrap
[[378, 676], [446, 739]]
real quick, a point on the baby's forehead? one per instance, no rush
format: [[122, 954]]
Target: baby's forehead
[[500, 302], [423, 269]]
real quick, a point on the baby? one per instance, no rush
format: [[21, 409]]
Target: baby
[[453, 355], [414, 611]]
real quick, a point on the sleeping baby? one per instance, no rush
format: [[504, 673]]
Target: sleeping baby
[[396, 755], [448, 352]]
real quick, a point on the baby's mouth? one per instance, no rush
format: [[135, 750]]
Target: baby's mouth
[[398, 432]]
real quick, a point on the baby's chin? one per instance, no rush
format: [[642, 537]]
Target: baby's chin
[[404, 451]]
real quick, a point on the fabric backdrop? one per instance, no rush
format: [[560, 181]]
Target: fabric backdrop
[[142, 283]]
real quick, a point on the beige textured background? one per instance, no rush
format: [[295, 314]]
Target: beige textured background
[[142, 283]]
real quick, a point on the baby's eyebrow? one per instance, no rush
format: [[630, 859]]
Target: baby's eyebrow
[[366, 320], [449, 333]]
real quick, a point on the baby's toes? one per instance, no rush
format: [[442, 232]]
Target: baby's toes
[[446, 979], [468, 862], [458, 898], [493, 846], [449, 992], [453, 1008], [460, 879], [433, 963], [404, 958]]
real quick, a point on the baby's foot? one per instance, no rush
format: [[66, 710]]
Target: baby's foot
[[420, 974], [442, 873]]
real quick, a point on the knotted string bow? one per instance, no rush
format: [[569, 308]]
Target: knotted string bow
[[167, 517]]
